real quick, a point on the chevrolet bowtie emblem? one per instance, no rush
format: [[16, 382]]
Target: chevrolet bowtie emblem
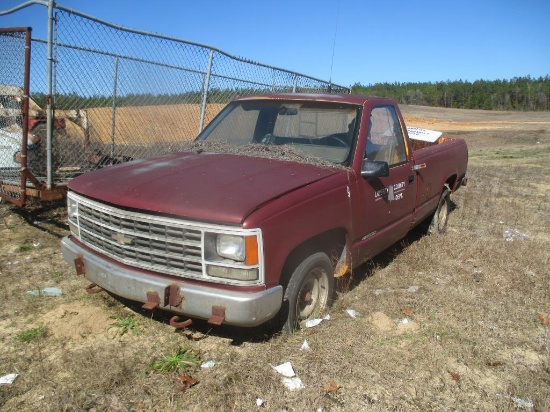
[[122, 239]]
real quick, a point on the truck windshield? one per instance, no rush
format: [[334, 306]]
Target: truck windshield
[[313, 129]]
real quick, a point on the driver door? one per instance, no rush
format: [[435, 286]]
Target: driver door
[[388, 202]]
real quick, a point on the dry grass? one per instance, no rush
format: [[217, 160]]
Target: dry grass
[[149, 124], [477, 335]]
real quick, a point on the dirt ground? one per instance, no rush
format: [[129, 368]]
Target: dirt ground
[[459, 321]]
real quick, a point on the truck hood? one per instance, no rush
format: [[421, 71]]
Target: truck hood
[[198, 186]]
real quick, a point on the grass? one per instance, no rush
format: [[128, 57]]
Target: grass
[[124, 324], [182, 360], [481, 315], [57, 276], [31, 335], [25, 248]]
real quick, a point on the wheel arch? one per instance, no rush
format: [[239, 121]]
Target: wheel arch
[[38, 122], [331, 242], [450, 183]]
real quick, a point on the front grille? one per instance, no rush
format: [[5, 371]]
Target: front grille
[[140, 240]]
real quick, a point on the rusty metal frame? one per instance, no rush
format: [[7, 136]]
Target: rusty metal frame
[[24, 112], [39, 190]]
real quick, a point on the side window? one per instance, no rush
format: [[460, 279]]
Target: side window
[[385, 140]]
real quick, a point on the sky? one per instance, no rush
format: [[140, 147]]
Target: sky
[[346, 41]]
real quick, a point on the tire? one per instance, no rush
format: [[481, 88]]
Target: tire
[[309, 292], [40, 130], [38, 161], [37, 158], [438, 225]]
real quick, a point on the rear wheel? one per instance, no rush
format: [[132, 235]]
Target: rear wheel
[[60, 150], [309, 292], [440, 218]]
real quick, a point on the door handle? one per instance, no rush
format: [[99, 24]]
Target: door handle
[[420, 166]]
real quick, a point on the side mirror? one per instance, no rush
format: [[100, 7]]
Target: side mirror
[[374, 168]]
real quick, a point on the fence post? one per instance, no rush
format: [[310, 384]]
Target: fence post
[[49, 107], [295, 83], [113, 115], [205, 89]]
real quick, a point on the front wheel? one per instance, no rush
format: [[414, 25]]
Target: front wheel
[[438, 225], [309, 292]]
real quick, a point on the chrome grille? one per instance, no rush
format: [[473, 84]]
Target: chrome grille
[[141, 240]]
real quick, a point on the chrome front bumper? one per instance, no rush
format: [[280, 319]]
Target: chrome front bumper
[[241, 308]]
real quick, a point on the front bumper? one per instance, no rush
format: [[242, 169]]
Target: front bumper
[[241, 308]]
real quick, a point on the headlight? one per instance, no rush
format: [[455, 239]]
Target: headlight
[[72, 215], [233, 256], [72, 208], [238, 248], [231, 247]]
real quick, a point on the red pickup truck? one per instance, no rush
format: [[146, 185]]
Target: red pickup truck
[[277, 196]]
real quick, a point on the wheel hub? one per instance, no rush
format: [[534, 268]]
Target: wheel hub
[[313, 294]]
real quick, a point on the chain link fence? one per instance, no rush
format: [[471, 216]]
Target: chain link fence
[[119, 94], [14, 107]]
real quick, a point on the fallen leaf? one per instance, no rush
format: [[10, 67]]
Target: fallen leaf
[[494, 363], [186, 381], [455, 376], [407, 311], [544, 318], [331, 386]]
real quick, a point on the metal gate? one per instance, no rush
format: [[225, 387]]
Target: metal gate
[[14, 109]]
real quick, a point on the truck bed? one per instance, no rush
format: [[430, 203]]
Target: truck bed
[[420, 144]]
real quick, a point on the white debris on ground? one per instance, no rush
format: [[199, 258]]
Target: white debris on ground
[[513, 234], [8, 379], [519, 402], [285, 369], [45, 292], [290, 380], [310, 323], [410, 289], [208, 364], [523, 403], [352, 312], [294, 383], [305, 347]]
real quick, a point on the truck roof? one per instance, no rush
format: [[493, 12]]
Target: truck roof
[[356, 99]]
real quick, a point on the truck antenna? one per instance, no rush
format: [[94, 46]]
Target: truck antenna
[[334, 42]]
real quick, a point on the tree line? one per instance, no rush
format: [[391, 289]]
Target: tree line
[[519, 93], [75, 101]]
